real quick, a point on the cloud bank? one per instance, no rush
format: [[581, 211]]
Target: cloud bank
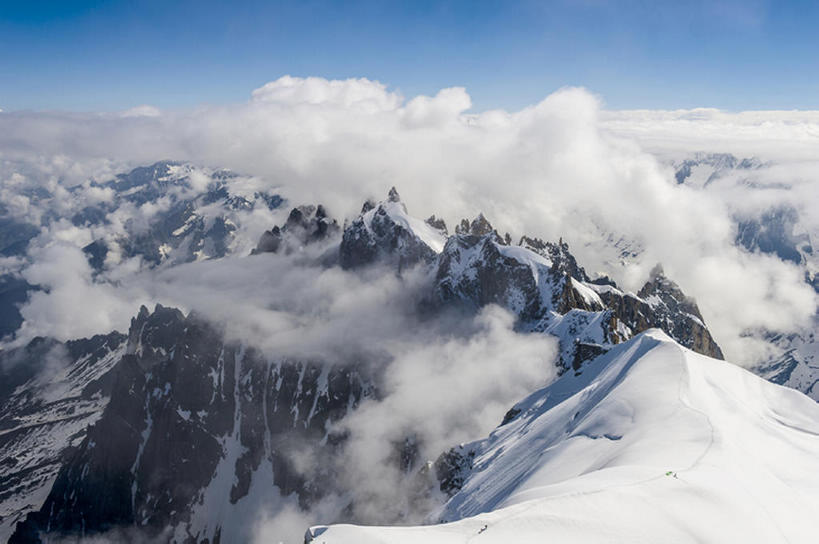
[[563, 167]]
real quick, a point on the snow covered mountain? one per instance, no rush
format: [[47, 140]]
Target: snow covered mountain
[[164, 214], [542, 284], [200, 430], [704, 168], [775, 229], [193, 214], [797, 366], [651, 443], [385, 232]]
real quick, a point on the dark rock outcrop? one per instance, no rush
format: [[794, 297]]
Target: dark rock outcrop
[[187, 406], [305, 225]]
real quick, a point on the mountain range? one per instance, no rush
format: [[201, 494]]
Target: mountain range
[[176, 430]]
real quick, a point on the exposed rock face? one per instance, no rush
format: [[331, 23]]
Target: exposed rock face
[[471, 269], [563, 261], [14, 291], [477, 227], [305, 225], [531, 280], [437, 224], [50, 393], [453, 467], [191, 422], [677, 314], [543, 285], [386, 233]]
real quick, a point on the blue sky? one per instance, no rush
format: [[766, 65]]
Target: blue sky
[[730, 54]]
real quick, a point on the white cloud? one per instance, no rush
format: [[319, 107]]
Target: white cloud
[[142, 111], [440, 392], [71, 305], [359, 94], [774, 135], [560, 168]]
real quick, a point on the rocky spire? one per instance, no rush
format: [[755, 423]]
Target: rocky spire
[[479, 226], [304, 225], [437, 223], [369, 204], [393, 196]]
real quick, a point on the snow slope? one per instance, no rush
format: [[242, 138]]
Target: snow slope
[[651, 443]]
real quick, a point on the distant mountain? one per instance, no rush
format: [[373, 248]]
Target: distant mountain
[[195, 220], [703, 168], [776, 230], [164, 214]]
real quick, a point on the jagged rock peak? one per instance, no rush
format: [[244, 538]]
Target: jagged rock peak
[[479, 226], [562, 259], [386, 232], [143, 313], [392, 196], [300, 214], [305, 224], [369, 204], [661, 285], [159, 309], [157, 329], [677, 313], [437, 223]]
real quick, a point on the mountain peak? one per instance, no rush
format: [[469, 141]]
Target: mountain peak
[[437, 223], [305, 224], [656, 272], [479, 226], [386, 232]]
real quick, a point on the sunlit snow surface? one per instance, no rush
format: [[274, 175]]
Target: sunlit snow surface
[[651, 443]]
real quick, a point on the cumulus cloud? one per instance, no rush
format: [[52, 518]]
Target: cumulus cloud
[[437, 394], [142, 111], [72, 304], [358, 94]]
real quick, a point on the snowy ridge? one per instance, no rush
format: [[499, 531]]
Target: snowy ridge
[[652, 443]]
